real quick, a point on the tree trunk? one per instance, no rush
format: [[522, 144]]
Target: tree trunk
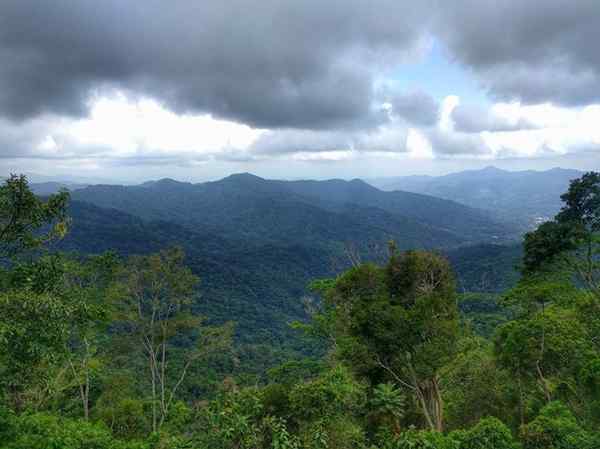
[[433, 404], [521, 400], [538, 363], [439, 416], [428, 395], [163, 365], [425, 408], [153, 378], [86, 397]]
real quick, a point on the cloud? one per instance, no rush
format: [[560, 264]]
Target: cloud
[[385, 139], [449, 143], [475, 119], [29, 138], [534, 52], [308, 64], [417, 108]]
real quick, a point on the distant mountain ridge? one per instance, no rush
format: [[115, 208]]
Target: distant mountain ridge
[[527, 196], [256, 208], [51, 187]]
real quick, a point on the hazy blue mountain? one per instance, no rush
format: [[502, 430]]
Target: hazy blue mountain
[[526, 196], [246, 207], [445, 214], [51, 187]]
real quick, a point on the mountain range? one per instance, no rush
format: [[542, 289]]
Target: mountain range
[[247, 207], [527, 197], [257, 243]]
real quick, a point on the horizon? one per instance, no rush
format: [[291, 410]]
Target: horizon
[[36, 178]]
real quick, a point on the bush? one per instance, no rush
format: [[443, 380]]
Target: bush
[[489, 433], [43, 431], [556, 428], [420, 439], [334, 393]]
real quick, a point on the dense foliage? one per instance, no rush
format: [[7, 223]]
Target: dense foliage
[[112, 351], [243, 232]]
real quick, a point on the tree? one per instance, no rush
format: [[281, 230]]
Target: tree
[[398, 323], [556, 428], [89, 281], [35, 321], [572, 239], [326, 409], [27, 222], [33, 328], [548, 351], [558, 297], [154, 309], [475, 386]]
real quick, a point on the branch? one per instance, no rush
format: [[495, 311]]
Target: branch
[[393, 373]]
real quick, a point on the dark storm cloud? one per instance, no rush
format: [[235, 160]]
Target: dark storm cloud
[[475, 119], [308, 64], [417, 108], [535, 51]]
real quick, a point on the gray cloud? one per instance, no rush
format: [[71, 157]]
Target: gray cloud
[[23, 139], [386, 139], [307, 70], [532, 51], [417, 108], [308, 64], [474, 119], [293, 141], [450, 143]]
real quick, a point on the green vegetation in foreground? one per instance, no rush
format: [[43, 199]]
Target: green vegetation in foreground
[[101, 352]]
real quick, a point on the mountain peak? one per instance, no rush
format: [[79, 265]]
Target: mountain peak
[[243, 177], [164, 182], [492, 169]]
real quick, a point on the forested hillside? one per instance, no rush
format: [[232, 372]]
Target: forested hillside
[[251, 207], [181, 337], [242, 232], [236, 274]]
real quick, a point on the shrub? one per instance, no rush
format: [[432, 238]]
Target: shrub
[[556, 428], [489, 433]]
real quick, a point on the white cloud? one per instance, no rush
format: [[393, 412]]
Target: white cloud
[[122, 131], [129, 128], [552, 131]]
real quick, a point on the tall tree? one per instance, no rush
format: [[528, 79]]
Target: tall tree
[[34, 321], [572, 240], [557, 299], [154, 307], [398, 323], [89, 281], [26, 221]]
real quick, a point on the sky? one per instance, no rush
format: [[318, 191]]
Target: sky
[[195, 90]]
